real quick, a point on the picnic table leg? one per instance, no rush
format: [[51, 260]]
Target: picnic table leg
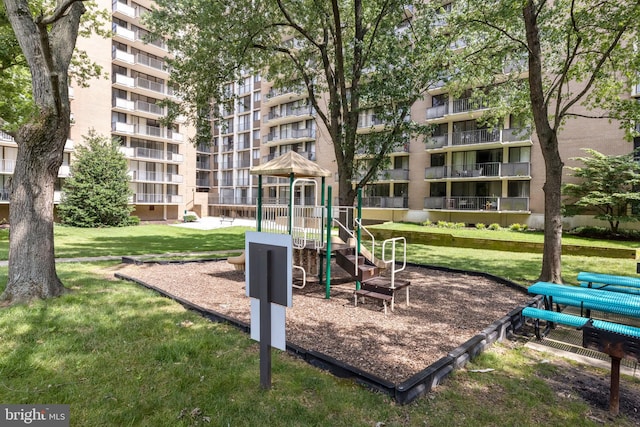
[[407, 296], [614, 393]]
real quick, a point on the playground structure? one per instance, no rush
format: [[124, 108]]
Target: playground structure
[[311, 221]]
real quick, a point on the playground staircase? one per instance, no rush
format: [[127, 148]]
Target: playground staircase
[[372, 284], [346, 259]]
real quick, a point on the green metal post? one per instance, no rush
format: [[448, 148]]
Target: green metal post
[[291, 203], [328, 278], [359, 235], [322, 222], [259, 207]]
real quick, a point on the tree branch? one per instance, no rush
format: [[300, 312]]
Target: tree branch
[[60, 10]]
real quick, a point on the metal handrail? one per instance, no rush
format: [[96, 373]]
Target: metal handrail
[[393, 257]]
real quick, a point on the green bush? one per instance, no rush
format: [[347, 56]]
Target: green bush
[[134, 220], [97, 192], [190, 218], [443, 224], [459, 225], [515, 227], [494, 226], [480, 226], [427, 223]]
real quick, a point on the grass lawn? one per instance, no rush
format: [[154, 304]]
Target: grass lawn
[[122, 355], [73, 242], [505, 234]]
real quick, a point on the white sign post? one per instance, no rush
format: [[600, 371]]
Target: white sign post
[[268, 283]]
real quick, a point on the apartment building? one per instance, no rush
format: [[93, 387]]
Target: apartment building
[[128, 106], [463, 172]]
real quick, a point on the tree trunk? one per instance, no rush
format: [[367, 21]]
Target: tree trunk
[[548, 140], [552, 252], [32, 269], [47, 44]]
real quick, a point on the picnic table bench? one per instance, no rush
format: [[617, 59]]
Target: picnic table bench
[[617, 340], [225, 218], [609, 282]]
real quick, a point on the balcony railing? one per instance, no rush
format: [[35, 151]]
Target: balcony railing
[[156, 198], [150, 62], [202, 182], [467, 104], [123, 56], [149, 85], [149, 108], [478, 136], [477, 170], [6, 137], [478, 203], [387, 175], [222, 200], [124, 104], [124, 9], [438, 111], [203, 165], [385, 202]]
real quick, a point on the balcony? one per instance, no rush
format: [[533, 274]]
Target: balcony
[[149, 85], [124, 104], [64, 171], [385, 202], [123, 56], [150, 62], [149, 153], [153, 131], [5, 137], [478, 136], [478, 203], [122, 127], [69, 145], [7, 166], [386, 175], [238, 201], [124, 9], [468, 104], [437, 111], [369, 121], [479, 170], [290, 112], [146, 176], [290, 135], [203, 182], [123, 32], [155, 198], [149, 108]]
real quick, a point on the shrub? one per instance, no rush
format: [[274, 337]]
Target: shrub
[[515, 227], [134, 220], [480, 226], [460, 225], [97, 192], [427, 223], [443, 224], [190, 218], [494, 226]]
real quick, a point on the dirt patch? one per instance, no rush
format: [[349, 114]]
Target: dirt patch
[[445, 311]]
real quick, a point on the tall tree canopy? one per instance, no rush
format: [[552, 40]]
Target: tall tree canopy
[[549, 61], [349, 56], [46, 32]]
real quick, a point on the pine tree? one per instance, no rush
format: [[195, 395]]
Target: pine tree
[[97, 193]]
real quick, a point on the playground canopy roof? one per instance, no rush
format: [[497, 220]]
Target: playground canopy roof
[[290, 163]]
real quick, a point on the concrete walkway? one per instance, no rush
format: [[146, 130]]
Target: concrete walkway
[[213, 222]]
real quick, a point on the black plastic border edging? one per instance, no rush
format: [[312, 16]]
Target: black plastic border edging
[[410, 389]]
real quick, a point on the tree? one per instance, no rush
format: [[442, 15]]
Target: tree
[[97, 193], [550, 61], [47, 37], [609, 185], [350, 57]]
